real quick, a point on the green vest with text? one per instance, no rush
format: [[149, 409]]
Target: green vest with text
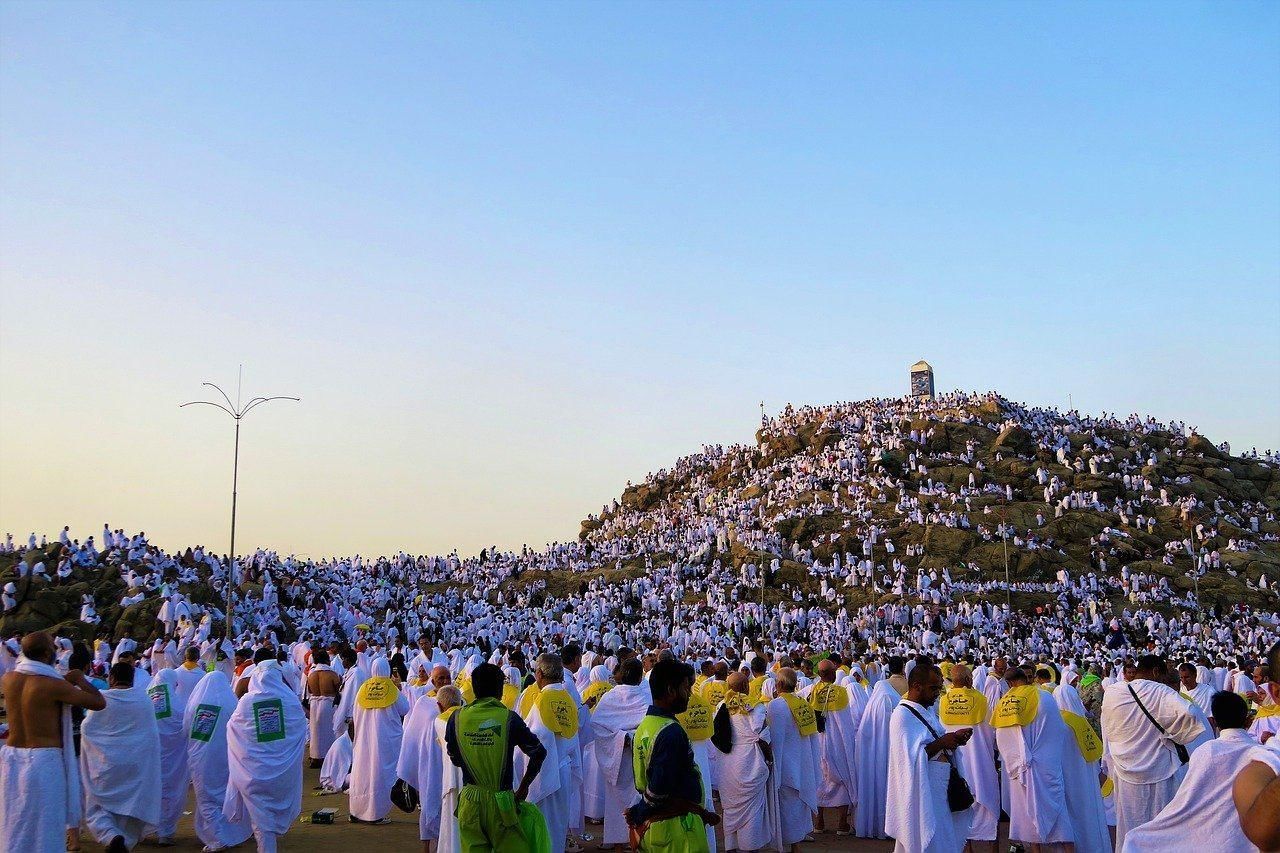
[[684, 834]]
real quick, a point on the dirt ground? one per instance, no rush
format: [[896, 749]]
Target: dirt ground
[[402, 833]]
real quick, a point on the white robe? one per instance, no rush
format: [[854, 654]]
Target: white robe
[[351, 681], [1202, 816], [420, 761], [1080, 783], [375, 752], [1146, 768], [745, 782], [450, 784], [1032, 756], [320, 710], [170, 708], [335, 772], [917, 817], [53, 772], [613, 727], [265, 746], [795, 763], [871, 746], [838, 783], [209, 708], [553, 786], [977, 762], [120, 766]]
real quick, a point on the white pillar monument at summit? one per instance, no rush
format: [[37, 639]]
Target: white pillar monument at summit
[[922, 380]]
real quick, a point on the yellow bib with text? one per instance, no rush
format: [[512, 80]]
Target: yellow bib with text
[[962, 706], [559, 712], [377, 693], [1086, 738], [527, 698], [829, 697], [802, 712], [714, 691], [696, 719], [594, 691], [463, 683], [1017, 708]]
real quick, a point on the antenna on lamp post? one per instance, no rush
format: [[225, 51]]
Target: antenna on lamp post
[[237, 413]]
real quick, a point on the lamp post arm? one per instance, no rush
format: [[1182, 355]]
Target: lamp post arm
[[207, 403], [224, 395], [258, 401]]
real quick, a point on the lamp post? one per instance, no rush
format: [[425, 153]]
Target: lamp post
[[237, 413]]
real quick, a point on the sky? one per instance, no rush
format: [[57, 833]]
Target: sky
[[513, 255]]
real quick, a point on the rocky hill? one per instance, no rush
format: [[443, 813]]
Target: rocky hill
[[936, 479]]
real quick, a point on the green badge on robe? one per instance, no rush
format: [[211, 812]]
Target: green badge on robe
[[160, 701], [268, 720], [206, 719]]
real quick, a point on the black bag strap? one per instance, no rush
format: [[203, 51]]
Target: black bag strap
[[950, 760], [1145, 712]]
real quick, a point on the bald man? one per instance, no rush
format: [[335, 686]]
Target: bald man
[[837, 786]]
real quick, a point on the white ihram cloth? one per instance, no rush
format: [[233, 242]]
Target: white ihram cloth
[[120, 765], [795, 763], [375, 752], [351, 681], [553, 786], [170, 707], [1147, 769], [871, 746], [264, 787], [702, 758], [1202, 695], [320, 711], [336, 769], [576, 775], [593, 787], [977, 762], [994, 689], [420, 760], [917, 817], [1203, 815], [1080, 783], [209, 708], [450, 784], [51, 772], [1032, 756], [750, 813], [187, 678], [613, 726], [837, 782]]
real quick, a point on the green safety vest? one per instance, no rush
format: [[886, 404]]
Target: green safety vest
[[685, 834], [482, 734]]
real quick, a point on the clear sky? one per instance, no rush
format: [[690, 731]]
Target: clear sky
[[513, 255]]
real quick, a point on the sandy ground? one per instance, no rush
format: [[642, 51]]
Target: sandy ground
[[402, 833]]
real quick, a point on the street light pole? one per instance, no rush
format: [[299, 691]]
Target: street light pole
[[237, 413]]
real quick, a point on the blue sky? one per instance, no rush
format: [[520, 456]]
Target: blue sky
[[513, 255]]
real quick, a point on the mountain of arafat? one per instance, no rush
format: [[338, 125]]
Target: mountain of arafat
[[841, 511]]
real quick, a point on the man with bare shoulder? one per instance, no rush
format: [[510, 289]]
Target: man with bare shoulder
[[39, 776], [322, 688]]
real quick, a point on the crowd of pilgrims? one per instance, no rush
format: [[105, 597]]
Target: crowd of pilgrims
[[782, 742], [676, 589]]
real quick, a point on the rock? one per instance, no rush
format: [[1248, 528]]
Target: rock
[[1013, 438]]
